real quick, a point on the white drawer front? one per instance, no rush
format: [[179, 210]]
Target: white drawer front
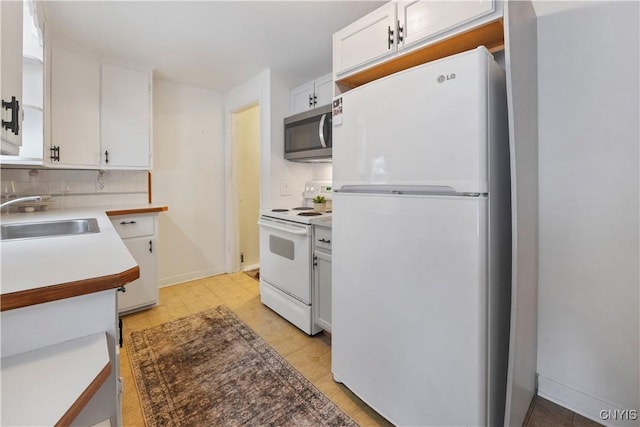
[[322, 238], [133, 226]]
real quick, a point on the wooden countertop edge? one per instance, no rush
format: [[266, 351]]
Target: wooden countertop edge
[[85, 396], [60, 291], [137, 211]]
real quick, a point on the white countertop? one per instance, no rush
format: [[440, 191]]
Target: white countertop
[[323, 222], [35, 263], [44, 384]]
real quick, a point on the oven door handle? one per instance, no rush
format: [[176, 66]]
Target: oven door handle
[[299, 231]]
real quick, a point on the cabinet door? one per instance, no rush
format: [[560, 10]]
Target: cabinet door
[[301, 98], [75, 108], [126, 118], [421, 19], [142, 292], [324, 90], [366, 40], [11, 72], [322, 291]]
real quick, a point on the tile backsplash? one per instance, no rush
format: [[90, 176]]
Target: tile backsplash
[[76, 188]]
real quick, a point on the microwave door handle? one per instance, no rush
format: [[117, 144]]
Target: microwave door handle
[[321, 131]]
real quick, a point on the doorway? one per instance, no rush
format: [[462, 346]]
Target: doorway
[[246, 146]]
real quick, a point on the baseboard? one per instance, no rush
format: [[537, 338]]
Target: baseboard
[[251, 267], [194, 275], [586, 405]]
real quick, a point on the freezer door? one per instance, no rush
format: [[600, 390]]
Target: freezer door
[[426, 126], [409, 305]]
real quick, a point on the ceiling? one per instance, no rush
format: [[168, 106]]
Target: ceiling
[[211, 44]]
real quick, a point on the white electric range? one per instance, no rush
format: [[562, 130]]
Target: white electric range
[[286, 258], [300, 214]]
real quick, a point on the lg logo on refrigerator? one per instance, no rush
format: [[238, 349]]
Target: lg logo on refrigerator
[[443, 78]]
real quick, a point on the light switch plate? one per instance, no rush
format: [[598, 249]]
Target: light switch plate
[[284, 188]]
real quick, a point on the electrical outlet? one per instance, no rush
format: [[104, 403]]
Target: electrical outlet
[[284, 188], [101, 182]]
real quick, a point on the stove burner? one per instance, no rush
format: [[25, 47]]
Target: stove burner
[[279, 210], [302, 208], [310, 213]]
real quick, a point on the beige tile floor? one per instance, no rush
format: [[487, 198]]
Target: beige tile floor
[[309, 355]]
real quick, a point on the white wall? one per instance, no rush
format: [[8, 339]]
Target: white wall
[[188, 176], [296, 174], [589, 326]]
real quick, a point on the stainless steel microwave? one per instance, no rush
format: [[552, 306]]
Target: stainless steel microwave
[[307, 136]]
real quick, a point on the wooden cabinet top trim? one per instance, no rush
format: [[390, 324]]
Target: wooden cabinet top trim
[[132, 211], [60, 291], [490, 35], [85, 397]]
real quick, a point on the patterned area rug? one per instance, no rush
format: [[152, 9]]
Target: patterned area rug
[[211, 369]]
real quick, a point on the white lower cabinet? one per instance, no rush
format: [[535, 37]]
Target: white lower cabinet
[[54, 355], [139, 234], [322, 278]]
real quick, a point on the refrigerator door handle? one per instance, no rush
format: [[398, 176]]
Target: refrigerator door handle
[[321, 131], [399, 189]]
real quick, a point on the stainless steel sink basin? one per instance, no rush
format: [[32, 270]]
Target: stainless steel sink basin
[[33, 230]]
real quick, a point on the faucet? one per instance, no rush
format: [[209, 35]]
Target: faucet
[[21, 199]]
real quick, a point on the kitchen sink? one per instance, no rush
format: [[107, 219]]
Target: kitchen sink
[[33, 230]]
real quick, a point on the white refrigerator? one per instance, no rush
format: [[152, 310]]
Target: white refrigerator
[[422, 242]]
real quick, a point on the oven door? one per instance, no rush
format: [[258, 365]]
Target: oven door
[[285, 257]]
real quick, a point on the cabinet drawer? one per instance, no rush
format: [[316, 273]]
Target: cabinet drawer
[[322, 238], [133, 226]]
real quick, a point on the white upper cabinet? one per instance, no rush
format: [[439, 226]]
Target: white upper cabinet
[[324, 90], [419, 20], [11, 76], [311, 95], [370, 38], [75, 110], [100, 114], [301, 98], [126, 118], [410, 27]]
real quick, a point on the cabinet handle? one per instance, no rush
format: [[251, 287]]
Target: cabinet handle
[[315, 99], [324, 241], [55, 153], [389, 37], [122, 289], [14, 124], [106, 156], [127, 222], [315, 261], [400, 33], [150, 246]]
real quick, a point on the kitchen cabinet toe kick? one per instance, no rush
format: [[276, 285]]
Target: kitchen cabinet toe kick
[[19, 299]]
